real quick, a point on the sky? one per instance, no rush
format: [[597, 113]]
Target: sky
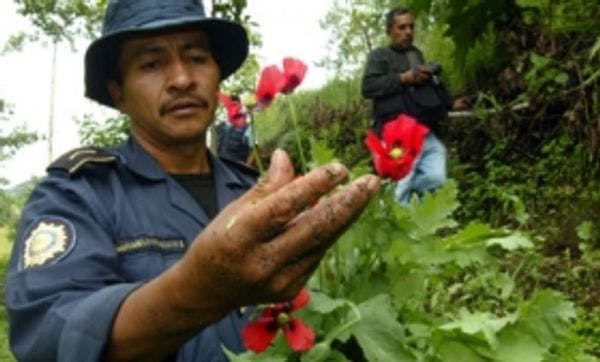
[[288, 28]]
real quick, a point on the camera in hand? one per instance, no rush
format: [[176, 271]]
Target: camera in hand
[[436, 71]]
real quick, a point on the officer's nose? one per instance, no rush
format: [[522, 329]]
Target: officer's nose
[[180, 76]]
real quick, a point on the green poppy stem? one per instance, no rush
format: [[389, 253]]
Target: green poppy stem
[[297, 134], [257, 159], [344, 327]]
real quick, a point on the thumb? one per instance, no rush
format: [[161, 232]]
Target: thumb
[[280, 172]]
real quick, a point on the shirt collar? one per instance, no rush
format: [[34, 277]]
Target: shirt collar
[[135, 158]]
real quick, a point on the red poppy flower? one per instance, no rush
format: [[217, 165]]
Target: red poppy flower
[[400, 144], [235, 110], [259, 333], [269, 84], [293, 72]]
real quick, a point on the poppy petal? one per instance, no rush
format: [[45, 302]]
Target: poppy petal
[[299, 336], [301, 299], [293, 72], [403, 131], [258, 334], [270, 83]]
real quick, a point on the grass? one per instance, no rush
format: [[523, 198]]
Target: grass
[[5, 247]]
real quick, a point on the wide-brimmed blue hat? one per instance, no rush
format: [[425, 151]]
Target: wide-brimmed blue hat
[[127, 18]]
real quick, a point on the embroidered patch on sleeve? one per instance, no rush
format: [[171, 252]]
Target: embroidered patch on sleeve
[[47, 242]]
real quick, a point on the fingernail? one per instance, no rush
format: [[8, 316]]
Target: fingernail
[[372, 183], [337, 168]]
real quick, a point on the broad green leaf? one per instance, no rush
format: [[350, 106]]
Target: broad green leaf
[[322, 352], [518, 346], [455, 351], [323, 304], [457, 346], [543, 319], [378, 333], [480, 323], [546, 315], [434, 211], [511, 242]]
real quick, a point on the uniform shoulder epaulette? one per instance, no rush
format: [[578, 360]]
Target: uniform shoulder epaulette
[[250, 171], [74, 160]]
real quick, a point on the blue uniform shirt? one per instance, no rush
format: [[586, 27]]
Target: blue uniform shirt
[[100, 224]]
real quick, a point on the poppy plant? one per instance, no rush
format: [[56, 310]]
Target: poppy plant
[[400, 144], [293, 73], [270, 83], [259, 333]]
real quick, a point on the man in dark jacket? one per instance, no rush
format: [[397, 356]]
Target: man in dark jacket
[[397, 80], [149, 251]]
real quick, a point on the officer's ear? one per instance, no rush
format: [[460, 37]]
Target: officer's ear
[[116, 94]]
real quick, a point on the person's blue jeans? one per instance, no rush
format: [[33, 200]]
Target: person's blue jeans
[[428, 172]]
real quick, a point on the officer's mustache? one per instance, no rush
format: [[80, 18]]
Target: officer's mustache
[[183, 100]]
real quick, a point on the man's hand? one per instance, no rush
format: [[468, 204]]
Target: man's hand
[[264, 246], [415, 76], [460, 104], [261, 248]]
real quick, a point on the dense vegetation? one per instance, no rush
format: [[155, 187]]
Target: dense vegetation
[[504, 262]]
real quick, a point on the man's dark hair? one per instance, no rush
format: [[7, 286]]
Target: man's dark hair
[[389, 17]]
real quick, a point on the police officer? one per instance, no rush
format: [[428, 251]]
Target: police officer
[[148, 251]]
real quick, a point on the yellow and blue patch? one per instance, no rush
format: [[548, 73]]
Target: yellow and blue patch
[[48, 241]]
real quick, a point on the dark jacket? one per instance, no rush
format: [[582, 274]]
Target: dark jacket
[[102, 223], [381, 83]]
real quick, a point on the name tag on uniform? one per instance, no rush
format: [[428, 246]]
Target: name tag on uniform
[[149, 243]]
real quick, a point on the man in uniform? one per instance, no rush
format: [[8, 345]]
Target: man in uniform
[[149, 251], [398, 81]]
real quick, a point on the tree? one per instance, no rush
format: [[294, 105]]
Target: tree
[[356, 27], [10, 141]]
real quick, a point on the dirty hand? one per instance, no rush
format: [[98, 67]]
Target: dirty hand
[[415, 76], [264, 246]]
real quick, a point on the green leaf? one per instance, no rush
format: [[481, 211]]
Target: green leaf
[[378, 333], [252, 357], [539, 61], [511, 242], [518, 346], [455, 351], [543, 320], [323, 304], [480, 323], [434, 211], [585, 230], [562, 78], [546, 315], [320, 153]]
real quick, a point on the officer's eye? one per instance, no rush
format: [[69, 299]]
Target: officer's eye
[[198, 57], [150, 65]]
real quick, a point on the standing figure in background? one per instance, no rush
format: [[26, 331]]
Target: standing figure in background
[[397, 80], [233, 135]]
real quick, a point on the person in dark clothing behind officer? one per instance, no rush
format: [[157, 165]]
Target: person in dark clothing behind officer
[[149, 251], [397, 80], [233, 135]]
